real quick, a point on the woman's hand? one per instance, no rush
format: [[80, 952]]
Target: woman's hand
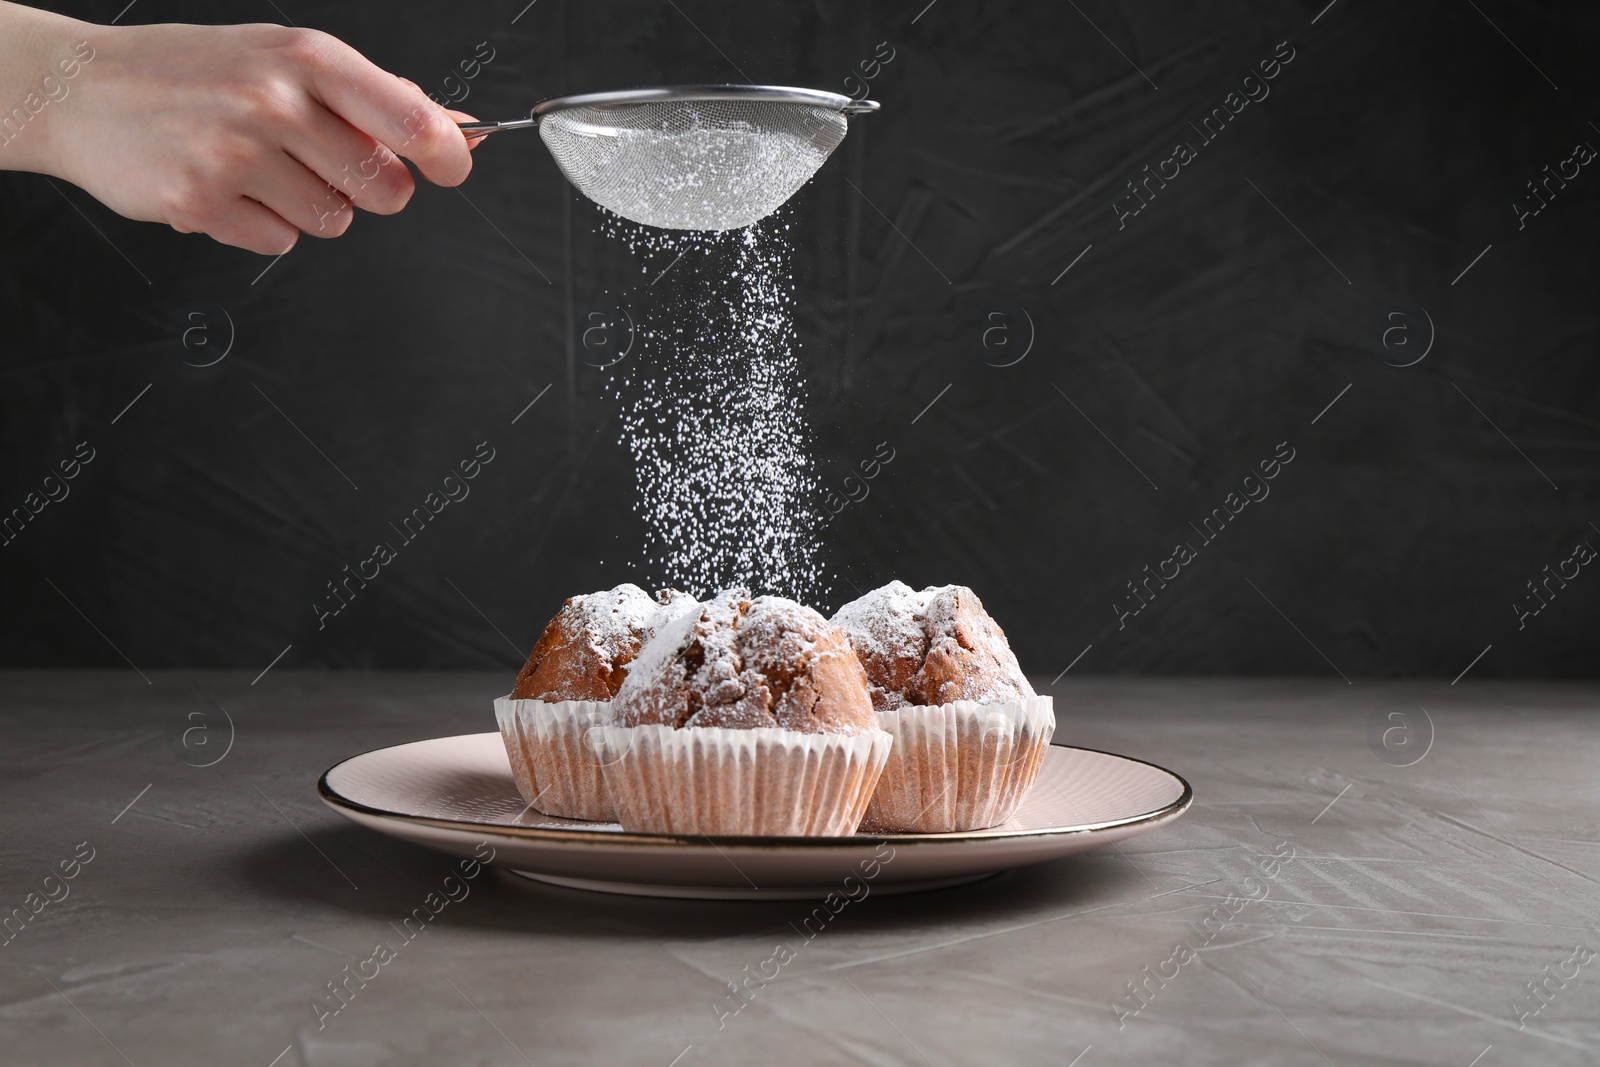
[[252, 134]]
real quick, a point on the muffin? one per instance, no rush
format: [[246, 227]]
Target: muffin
[[585, 651], [970, 733], [744, 717], [565, 689]]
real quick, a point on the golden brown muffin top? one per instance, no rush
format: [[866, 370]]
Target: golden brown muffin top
[[740, 663], [585, 651], [931, 647]]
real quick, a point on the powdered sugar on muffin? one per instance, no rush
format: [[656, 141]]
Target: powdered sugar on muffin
[[886, 628], [744, 664], [931, 647], [588, 648]]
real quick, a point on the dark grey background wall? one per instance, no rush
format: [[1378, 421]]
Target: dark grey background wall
[[1179, 350]]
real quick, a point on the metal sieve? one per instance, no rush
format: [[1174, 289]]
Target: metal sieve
[[691, 157]]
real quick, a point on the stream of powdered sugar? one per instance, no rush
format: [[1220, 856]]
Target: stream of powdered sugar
[[713, 413]]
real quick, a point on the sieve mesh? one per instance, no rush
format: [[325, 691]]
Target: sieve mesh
[[692, 164]]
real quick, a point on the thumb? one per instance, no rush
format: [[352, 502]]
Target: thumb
[[473, 139]]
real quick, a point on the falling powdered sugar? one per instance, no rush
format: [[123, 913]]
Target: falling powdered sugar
[[713, 413]]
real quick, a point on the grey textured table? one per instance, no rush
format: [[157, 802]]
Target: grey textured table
[[1418, 904]]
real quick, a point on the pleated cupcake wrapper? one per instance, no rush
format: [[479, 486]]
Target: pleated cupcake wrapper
[[556, 768], [959, 766], [708, 780]]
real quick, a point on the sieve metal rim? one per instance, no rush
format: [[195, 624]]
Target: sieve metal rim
[[666, 93], [786, 94]]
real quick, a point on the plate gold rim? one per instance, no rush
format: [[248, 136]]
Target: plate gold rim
[[624, 838]]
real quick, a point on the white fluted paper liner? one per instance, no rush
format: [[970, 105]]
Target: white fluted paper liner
[[555, 767], [959, 766], [709, 780]]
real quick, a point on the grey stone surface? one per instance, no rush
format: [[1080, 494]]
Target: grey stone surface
[[1419, 903]]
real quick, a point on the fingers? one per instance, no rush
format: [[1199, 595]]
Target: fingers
[[363, 171], [246, 224], [390, 110], [300, 197], [282, 200]]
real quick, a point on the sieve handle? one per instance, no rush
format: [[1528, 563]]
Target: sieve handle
[[490, 127]]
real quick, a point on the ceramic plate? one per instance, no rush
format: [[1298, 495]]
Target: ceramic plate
[[455, 793]]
